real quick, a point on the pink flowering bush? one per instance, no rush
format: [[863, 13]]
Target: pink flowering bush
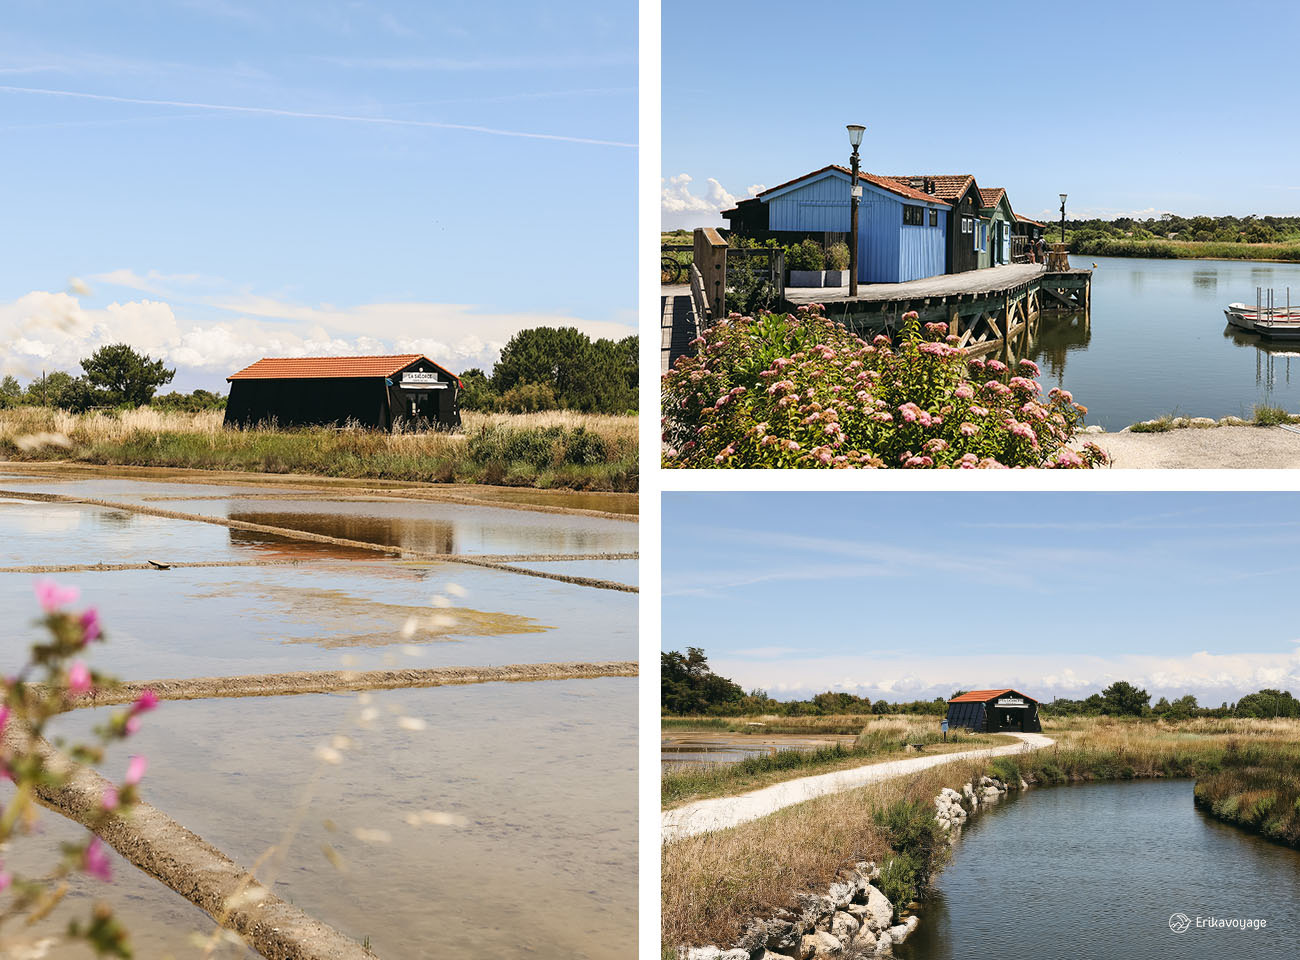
[[799, 390], [53, 679]]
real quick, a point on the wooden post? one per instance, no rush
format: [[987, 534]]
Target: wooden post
[[710, 254]]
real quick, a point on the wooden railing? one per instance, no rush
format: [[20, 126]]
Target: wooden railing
[[699, 301]]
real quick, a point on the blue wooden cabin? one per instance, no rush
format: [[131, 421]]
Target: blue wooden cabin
[[902, 232]]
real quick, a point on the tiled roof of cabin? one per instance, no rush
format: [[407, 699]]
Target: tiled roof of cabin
[[1037, 223], [885, 183], [989, 197], [947, 186], [311, 368], [982, 695]]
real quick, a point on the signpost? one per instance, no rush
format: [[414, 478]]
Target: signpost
[[944, 727]]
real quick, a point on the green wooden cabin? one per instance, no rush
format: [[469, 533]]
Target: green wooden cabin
[[998, 221]]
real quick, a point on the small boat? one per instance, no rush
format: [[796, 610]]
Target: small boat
[[1248, 318], [1277, 326]]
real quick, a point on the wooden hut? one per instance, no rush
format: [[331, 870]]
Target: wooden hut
[[962, 193], [902, 231], [998, 218], [995, 711], [1024, 234], [380, 392]]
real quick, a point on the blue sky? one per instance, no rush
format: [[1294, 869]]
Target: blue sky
[[343, 207], [1129, 108], [907, 596]]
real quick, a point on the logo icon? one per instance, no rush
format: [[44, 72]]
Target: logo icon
[[1179, 922]]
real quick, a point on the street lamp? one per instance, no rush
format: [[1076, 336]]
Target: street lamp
[[1063, 218], [855, 194]]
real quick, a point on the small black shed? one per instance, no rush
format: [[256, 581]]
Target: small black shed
[[995, 711], [380, 392]]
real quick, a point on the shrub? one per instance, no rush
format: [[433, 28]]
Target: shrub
[[837, 256], [802, 391], [915, 839], [807, 254], [528, 398]]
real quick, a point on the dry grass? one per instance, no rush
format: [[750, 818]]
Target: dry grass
[[553, 449], [880, 739], [714, 882]]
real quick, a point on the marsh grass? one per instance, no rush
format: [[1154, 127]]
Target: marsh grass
[[1187, 249], [549, 449], [879, 739], [1271, 416], [713, 883]]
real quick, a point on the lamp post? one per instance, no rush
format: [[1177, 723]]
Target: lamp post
[[855, 194], [1063, 218]]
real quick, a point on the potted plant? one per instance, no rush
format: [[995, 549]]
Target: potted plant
[[806, 262], [837, 265]]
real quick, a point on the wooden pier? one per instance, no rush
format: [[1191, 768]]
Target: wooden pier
[[994, 309]]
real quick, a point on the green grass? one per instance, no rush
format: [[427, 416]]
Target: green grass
[[1186, 249], [1159, 425], [1272, 416]]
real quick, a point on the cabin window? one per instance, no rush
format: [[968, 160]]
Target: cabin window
[[912, 216], [934, 218]]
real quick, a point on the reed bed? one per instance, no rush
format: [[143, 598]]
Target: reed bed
[[554, 449]]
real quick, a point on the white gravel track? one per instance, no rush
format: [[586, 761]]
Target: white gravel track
[[720, 813]]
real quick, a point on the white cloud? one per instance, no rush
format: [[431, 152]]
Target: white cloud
[[48, 330], [1212, 677], [682, 208]]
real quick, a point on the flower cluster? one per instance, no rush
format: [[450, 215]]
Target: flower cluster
[[799, 390], [55, 676]]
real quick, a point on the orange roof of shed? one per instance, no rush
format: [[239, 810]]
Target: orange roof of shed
[[315, 368], [981, 695]]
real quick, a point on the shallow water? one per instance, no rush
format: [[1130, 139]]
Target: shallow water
[[544, 775], [1159, 343], [1098, 870], [217, 621], [616, 571]]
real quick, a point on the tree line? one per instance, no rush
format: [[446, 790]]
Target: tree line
[[554, 368], [1170, 226], [689, 687], [544, 368]]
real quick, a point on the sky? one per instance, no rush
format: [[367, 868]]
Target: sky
[[903, 596], [213, 181], [1128, 108]]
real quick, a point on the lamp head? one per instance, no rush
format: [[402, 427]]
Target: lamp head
[[855, 134], [1062, 199]]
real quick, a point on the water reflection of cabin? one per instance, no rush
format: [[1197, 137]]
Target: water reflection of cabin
[[994, 711], [962, 194], [902, 231], [379, 392]]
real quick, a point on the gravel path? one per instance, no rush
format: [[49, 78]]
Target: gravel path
[[1212, 448], [722, 812]]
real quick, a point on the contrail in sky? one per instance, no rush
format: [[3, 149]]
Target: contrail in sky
[[302, 115]]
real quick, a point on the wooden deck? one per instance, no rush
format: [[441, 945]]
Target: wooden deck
[[676, 324], [986, 282]]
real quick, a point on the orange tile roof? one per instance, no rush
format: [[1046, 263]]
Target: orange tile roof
[[1037, 223], [310, 368], [989, 197], [947, 186], [885, 183], [981, 695]]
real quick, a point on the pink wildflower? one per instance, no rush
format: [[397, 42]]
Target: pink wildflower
[[135, 770], [968, 429], [90, 629], [109, 800], [95, 861], [964, 391], [79, 681], [5, 880], [51, 595]]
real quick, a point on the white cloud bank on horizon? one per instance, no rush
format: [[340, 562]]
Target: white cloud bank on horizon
[[49, 330], [1211, 677], [680, 208]]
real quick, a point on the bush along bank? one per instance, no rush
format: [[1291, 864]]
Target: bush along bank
[[800, 390], [870, 908], [1256, 791]]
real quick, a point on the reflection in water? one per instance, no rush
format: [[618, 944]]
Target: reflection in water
[[1155, 343], [1056, 336], [1112, 862], [1272, 358], [691, 749], [404, 533]]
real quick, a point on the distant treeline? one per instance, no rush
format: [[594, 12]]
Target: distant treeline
[[1172, 237], [556, 368], [690, 688], [545, 368]]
